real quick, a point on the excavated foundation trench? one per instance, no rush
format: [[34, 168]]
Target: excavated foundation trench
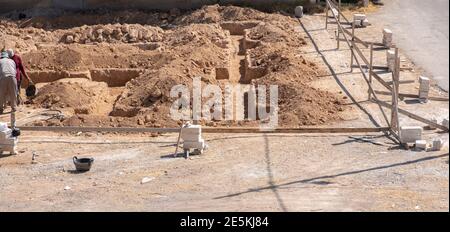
[[105, 85], [240, 68]]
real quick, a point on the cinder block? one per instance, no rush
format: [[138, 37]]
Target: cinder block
[[445, 122], [387, 37], [437, 145], [421, 144], [12, 141], [433, 127], [5, 134], [410, 134], [390, 59], [191, 137], [357, 23], [365, 23], [360, 17], [423, 94], [194, 145]]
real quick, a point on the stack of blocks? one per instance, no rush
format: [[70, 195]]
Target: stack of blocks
[[192, 137], [424, 88], [360, 20], [7, 141], [390, 59], [410, 134], [387, 38]]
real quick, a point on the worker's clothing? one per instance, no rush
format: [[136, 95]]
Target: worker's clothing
[[20, 69], [8, 84]]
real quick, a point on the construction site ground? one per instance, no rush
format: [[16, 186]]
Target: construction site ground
[[246, 172]]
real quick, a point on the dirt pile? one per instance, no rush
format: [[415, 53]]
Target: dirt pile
[[169, 48]]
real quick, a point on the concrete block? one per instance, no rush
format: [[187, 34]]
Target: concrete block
[[9, 148], [299, 11], [390, 60], [437, 145], [423, 95], [194, 145], [432, 127], [445, 122], [360, 17], [387, 37], [357, 23], [12, 141], [410, 134], [5, 134], [421, 144], [3, 126], [191, 137], [365, 23]]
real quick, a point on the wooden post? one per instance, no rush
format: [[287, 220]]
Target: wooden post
[[339, 28], [395, 91], [326, 14], [351, 47], [370, 68]]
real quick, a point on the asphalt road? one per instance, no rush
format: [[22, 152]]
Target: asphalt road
[[421, 30]]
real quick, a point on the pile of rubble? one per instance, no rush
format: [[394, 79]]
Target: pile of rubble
[[114, 33]]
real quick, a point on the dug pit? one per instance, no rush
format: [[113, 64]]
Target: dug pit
[[118, 71]]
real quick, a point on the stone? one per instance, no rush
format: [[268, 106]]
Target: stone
[[146, 180], [299, 11], [410, 134], [69, 39]]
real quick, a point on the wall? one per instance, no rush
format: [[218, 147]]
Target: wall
[[10, 5]]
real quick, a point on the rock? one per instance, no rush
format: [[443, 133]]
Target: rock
[[146, 180], [140, 122], [299, 11], [148, 118], [69, 39], [67, 188], [28, 37]]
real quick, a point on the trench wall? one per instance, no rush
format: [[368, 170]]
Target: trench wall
[[11, 5]]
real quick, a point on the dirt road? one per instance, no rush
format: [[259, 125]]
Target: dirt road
[[421, 31]]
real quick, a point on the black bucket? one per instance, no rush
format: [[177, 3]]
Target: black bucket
[[83, 164], [31, 90]]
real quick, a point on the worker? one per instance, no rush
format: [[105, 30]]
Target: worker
[[20, 71], [8, 85]]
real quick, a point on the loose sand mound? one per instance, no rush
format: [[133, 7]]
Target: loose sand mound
[[169, 48]]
